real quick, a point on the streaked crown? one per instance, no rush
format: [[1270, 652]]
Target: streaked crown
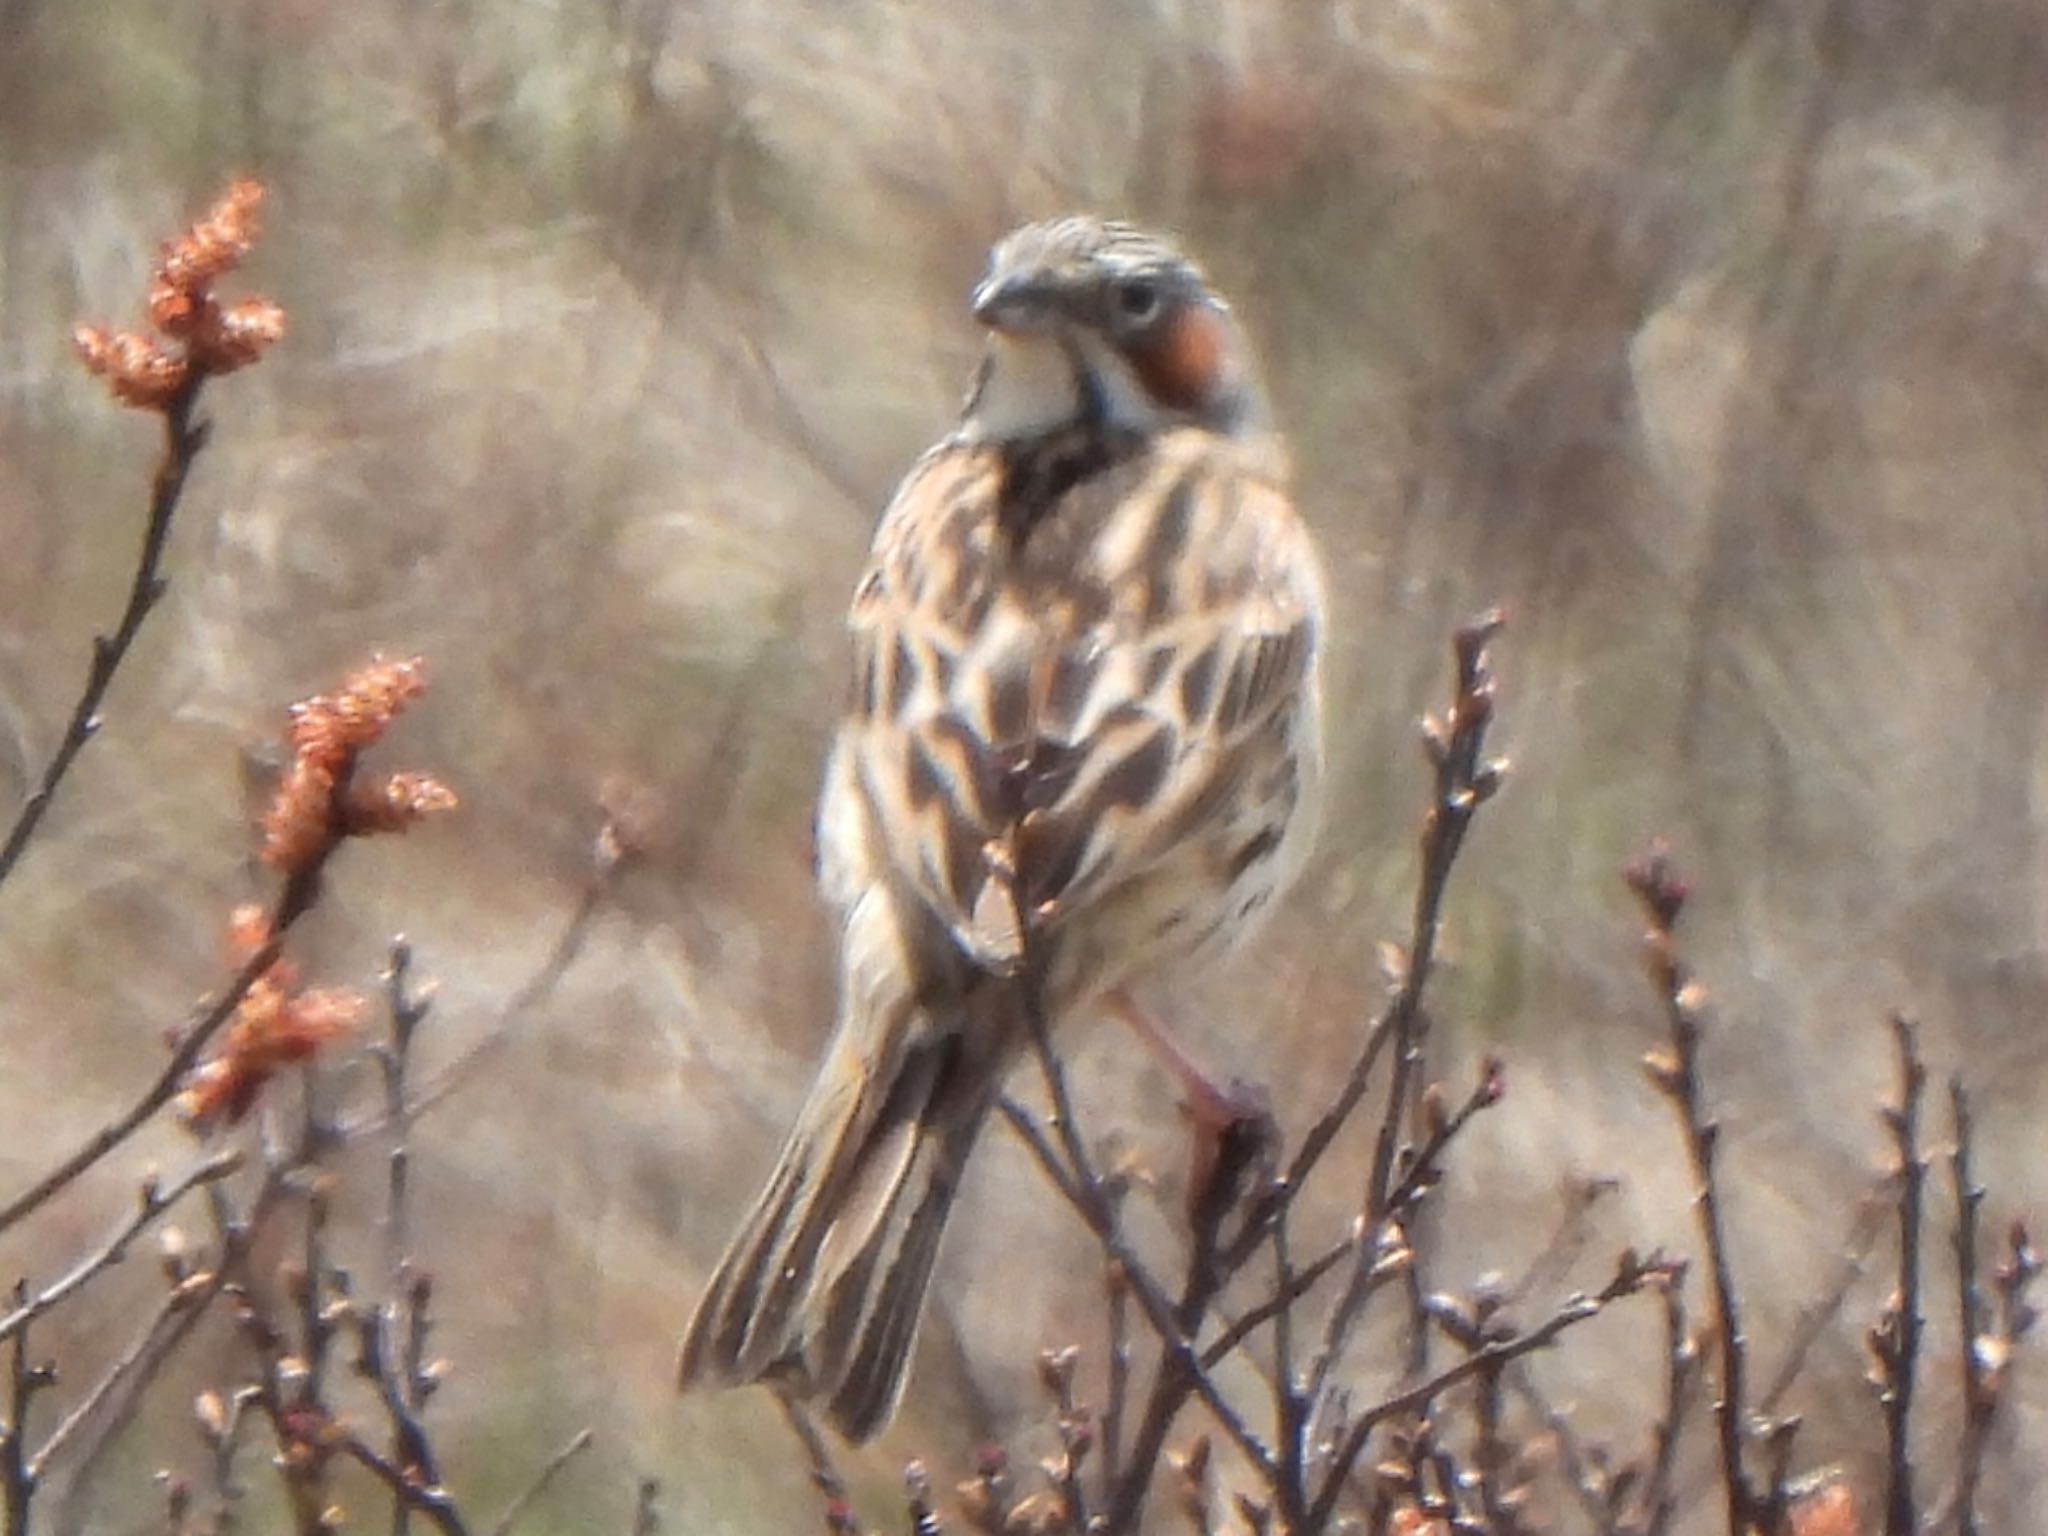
[[1147, 342]]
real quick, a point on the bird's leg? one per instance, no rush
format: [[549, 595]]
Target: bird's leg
[[1228, 1120], [1210, 1104]]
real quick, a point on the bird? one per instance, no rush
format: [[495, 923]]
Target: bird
[[1082, 743]]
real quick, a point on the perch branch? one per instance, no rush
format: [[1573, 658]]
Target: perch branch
[[153, 1201], [1675, 1071], [184, 436], [1895, 1340]]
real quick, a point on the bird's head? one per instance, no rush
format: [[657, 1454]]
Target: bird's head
[[1097, 320]]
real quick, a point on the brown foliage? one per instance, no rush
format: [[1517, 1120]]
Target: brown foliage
[[199, 335], [318, 802]]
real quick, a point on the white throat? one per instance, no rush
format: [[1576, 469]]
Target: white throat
[[1029, 387]]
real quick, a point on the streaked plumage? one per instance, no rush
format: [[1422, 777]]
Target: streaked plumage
[[1082, 737]]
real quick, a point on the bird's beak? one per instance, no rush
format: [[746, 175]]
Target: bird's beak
[[1014, 305]]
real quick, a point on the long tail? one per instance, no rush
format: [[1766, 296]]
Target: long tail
[[822, 1289]]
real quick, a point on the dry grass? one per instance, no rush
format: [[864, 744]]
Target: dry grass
[[1710, 341]]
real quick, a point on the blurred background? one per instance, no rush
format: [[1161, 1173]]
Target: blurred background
[[1710, 340]]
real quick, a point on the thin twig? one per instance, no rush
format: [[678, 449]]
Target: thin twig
[[1056, 1373], [1463, 782], [223, 1438], [534, 991], [1489, 1451], [1675, 1071], [1580, 1475], [293, 902], [1420, 1171], [1376, 1263], [578, 1443], [1977, 1401], [1473, 1322], [1117, 1290], [1631, 1276], [403, 1306], [304, 1431], [1291, 1401], [316, 1323], [153, 1201], [1045, 1154], [1774, 1511], [1993, 1329], [1376, 1266], [428, 1497], [1811, 1325], [412, 1447], [825, 1475], [184, 436], [1305, 1278], [1090, 1204], [1194, 1470], [159, 1093], [1175, 1377], [125, 1389], [1567, 1241], [1895, 1341], [18, 1475], [290, 1375], [307, 1287], [1448, 1504], [917, 1493], [1657, 1503], [174, 1312], [1180, 1371], [406, 1009]]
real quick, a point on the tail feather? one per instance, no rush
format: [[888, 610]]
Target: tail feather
[[877, 1351], [823, 1287]]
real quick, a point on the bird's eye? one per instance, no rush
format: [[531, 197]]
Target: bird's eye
[[1138, 299]]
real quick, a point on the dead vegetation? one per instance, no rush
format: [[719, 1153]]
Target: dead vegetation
[[1709, 344]]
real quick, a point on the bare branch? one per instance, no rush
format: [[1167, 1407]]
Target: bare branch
[[293, 902], [154, 1200], [1871, 1214], [407, 1009], [383, 1365], [1304, 1280], [1674, 1070], [1056, 1374], [1895, 1340], [1092, 1204], [428, 1498], [1657, 1504], [175, 1312], [18, 1475], [1977, 1401], [1464, 781], [184, 436], [825, 1475], [159, 1093], [1631, 1276], [1992, 1328], [578, 1443], [1117, 1291]]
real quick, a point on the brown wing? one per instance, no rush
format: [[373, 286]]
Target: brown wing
[[1037, 721]]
